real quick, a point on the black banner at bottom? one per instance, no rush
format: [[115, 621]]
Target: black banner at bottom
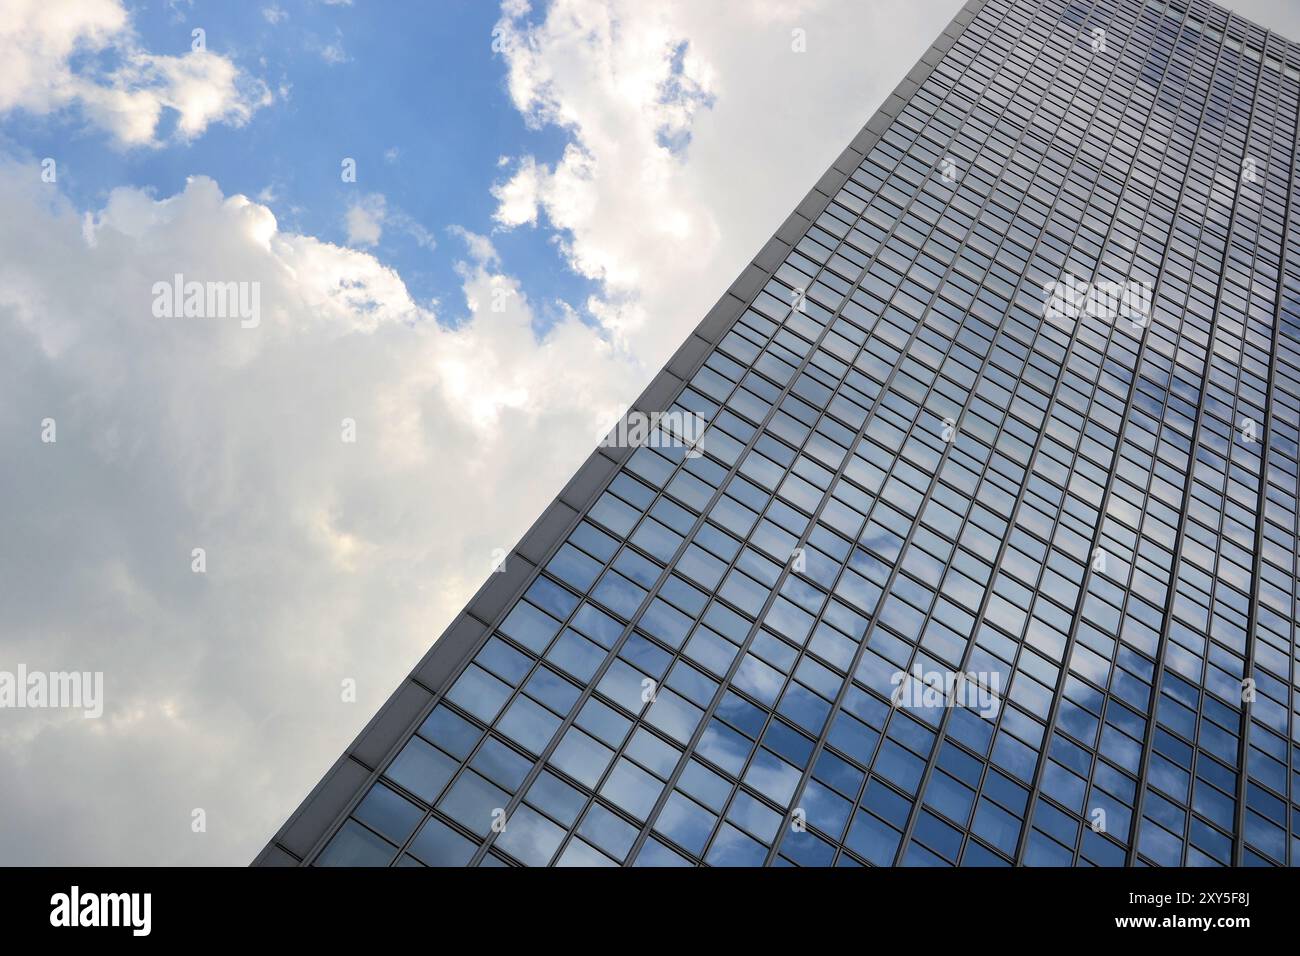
[[112, 905]]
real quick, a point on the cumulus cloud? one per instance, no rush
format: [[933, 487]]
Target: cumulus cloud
[[325, 560], [60, 54]]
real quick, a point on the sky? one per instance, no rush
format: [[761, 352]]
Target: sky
[[475, 233]]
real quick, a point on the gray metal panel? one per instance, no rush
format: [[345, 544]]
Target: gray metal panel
[[497, 595], [660, 394], [554, 522], [849, 161], [458, 640], [591, 477], [721, 317], [688, 357], [328, 800], [793, 228], [773, 253], [391, 723]]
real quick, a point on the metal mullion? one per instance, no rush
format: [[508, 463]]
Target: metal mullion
[[932, 758], [986, 467], [439, 696], [653, 591], [1173, 212], [1049, 727], [774, 593], [934, 479], [537, 664], [1243, 740], [1179, 531], [725, 684], [1215, 584], [777, 587], [1132, 389], [987, 762], [1071, 638], [677, 654]]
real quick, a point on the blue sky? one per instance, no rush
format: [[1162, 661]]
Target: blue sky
[[413, 92]]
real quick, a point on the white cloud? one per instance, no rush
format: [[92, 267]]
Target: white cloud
[[480, 247], [691, 136], [519, 196], [421, 236], [41, 40], [365, 219], [274, 14], [325, 560], [333, 52]]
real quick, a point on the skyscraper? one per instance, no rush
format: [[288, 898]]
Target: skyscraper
[[962, 530]]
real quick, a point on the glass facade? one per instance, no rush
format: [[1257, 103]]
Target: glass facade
[[920, 460]]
